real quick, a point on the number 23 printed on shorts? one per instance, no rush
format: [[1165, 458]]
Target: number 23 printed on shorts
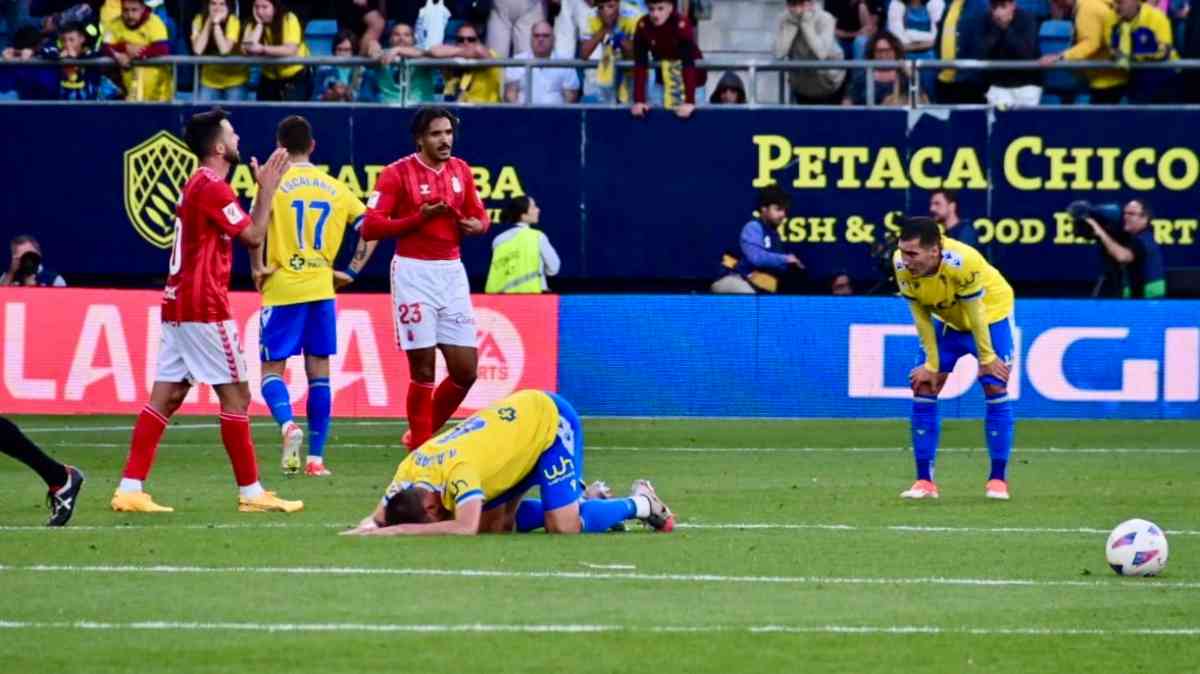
[[409, 314]]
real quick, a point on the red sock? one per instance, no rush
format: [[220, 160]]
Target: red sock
[[147, 431], [420, 411], [446, 399], [235, 433]]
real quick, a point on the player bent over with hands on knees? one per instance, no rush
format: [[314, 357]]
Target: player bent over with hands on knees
[[961, 305], [199, 337], [470, 479]]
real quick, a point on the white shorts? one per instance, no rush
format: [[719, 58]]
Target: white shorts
[[431, 303], [208, 353]]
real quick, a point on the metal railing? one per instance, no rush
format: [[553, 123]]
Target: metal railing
[[753, 67]]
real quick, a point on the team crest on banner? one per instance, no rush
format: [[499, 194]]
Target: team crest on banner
[[155, 172]]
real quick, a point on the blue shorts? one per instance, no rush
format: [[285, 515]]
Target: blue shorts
[[288, 329], [558, 473], [953, 344]]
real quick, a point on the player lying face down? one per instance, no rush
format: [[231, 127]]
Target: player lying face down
[[470, 479]]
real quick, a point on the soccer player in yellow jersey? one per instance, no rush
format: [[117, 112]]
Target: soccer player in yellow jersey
[[470, 479], [309, 214], [961, 305]]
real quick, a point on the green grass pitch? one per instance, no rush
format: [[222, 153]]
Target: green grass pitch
[[794, 553]]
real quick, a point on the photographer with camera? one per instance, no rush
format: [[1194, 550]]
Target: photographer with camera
[[25, 268], [1133, 259]]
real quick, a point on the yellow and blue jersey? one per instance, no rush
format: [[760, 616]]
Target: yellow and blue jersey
[[488, 454], [309, 214], [964, 274]]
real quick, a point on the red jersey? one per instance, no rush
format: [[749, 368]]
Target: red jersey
[[394, 208], [675, 40], [208, 217]]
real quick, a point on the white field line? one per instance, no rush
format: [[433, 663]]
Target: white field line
[[592, 575], [484, 628], [714, 450], [742, 526]]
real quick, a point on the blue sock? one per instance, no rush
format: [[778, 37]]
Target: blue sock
[[998, 427], [925, 431], [275, 392], [530, 516], [599, 516], [320, 400]]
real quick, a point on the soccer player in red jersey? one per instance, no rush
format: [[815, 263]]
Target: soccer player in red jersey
[[199, 339], [427, 202]]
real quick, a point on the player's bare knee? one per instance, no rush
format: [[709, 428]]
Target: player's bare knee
[[569, 526]]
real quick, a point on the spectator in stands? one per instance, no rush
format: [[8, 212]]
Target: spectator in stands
[[806, 33], [472, 84], [1143, 33], [943, 208], [1011, 35], [1139, 257], [79, 83], [340, 83], [215, 32], [510, 25], [914, 23], [729, 91], [139, 34], [889, 85], [522, 257], [25, 266], [551, 86], [959, 36], [841, 284], [671, 39], [608, 37], [570, 25], [855, 23], [31, 83], [365, 21], [398, 83], [760, 260], [277, 33], [1094, 22]]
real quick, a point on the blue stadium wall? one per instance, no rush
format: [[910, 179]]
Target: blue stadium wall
[[850, 357], [654, 199]]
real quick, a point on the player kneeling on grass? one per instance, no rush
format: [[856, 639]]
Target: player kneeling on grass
[[961, 305], [471, 478]]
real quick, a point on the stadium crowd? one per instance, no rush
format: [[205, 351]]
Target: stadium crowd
[[658, 32]]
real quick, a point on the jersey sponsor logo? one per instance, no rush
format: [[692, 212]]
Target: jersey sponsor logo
[[425, 190], [455, 184], [169, 292], [233, 212], [155, 172], [508, 414], [296, 262]]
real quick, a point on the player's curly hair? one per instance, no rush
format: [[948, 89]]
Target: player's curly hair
[[425, 117], [405, 507]]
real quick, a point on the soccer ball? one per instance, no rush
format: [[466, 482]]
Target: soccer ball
[[1137, 548]]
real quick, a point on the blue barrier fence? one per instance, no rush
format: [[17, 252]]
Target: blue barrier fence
[[653, 199], [850, 357]]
